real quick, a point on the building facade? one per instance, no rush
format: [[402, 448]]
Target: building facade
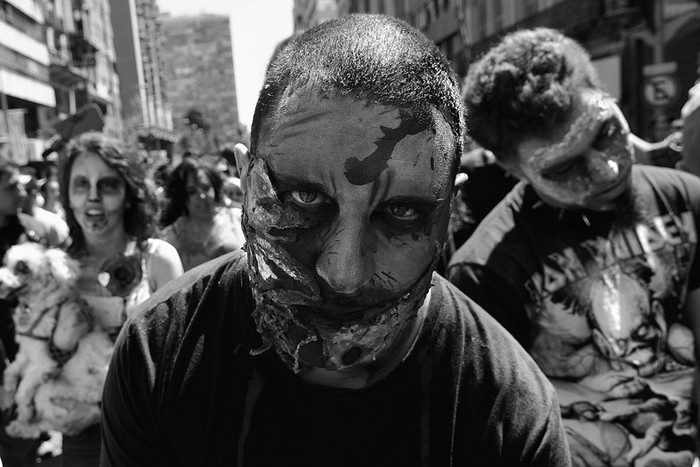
[[138, 45], [199, 70], [56, 56], [652, 46], [93, 50], [310, 13], [437, 19], [27, 98]]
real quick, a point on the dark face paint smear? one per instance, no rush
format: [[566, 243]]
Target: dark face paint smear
[[362, 172]]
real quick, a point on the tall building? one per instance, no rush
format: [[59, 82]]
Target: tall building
[[198, 58], [69, 55], [93, 50], [56, 56], [26, 95], [137, 41]]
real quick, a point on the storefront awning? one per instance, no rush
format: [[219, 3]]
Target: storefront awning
[[163, 136]]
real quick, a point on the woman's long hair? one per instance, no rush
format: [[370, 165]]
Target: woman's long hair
[[140, 210], [176, 187]]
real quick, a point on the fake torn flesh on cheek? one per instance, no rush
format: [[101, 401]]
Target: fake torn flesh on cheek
[[285, 292]]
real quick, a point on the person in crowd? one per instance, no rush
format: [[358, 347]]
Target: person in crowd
[[52, 196], [196, 221], [32, 206], [233, 195], [590, 261], [331, 341], [111, 213], [17, 227], [161, 174], [227, 153]]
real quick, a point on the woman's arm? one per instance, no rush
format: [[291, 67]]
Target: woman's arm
[[165, 264]]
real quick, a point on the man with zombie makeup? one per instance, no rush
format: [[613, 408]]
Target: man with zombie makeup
[[590, 261], [331, 341]]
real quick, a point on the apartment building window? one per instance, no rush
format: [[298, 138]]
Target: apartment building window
[[422, 19], [479, 19], [399, 8], [20, 21], [530, 7], [497, 15], [431, 14]]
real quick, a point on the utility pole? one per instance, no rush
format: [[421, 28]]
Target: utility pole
[[3, 102], [659, 42], [5, 109]]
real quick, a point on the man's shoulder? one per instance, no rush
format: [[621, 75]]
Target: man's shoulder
[[456, 309], [499, 231], [664, 176], [466, 325], [211, 286]]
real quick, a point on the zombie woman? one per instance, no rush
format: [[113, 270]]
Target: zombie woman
[[110, 210]]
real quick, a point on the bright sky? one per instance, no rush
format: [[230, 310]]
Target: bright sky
[[257, 26]]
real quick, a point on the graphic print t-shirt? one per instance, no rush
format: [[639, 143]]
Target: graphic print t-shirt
[[598, 305]]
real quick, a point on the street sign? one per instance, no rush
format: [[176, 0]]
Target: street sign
[[661, 90]]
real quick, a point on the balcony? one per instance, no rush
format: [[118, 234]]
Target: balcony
[[62, 70], [83, 50]]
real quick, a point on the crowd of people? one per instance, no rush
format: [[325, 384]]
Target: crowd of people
[[102, 208], [349, 299]]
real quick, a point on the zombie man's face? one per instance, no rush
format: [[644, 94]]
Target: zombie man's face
[[587, 163], [345, 213]]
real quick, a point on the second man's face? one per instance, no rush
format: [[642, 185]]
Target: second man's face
[[587, 163]]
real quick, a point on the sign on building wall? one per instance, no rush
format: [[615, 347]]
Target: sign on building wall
[[661, 86]]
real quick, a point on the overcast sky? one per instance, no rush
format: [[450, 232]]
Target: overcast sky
[[257, 26]]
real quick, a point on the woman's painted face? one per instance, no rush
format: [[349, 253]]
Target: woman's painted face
[[346, 207], [97, 195], [587, 164], [201, 198]]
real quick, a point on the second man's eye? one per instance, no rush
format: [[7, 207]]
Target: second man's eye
[[402, 212]]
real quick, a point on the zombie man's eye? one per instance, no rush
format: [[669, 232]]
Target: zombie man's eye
[[308, 197], [403, 212]]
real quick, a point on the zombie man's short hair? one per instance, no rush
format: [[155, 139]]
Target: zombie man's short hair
[[374, 58]]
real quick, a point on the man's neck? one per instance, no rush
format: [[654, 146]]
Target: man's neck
[[366, 374]]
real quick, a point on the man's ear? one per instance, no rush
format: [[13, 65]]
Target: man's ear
[[460, 180], [242, 155]]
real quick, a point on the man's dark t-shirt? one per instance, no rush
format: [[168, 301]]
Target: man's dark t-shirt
[[600, 306], [183, 389]]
